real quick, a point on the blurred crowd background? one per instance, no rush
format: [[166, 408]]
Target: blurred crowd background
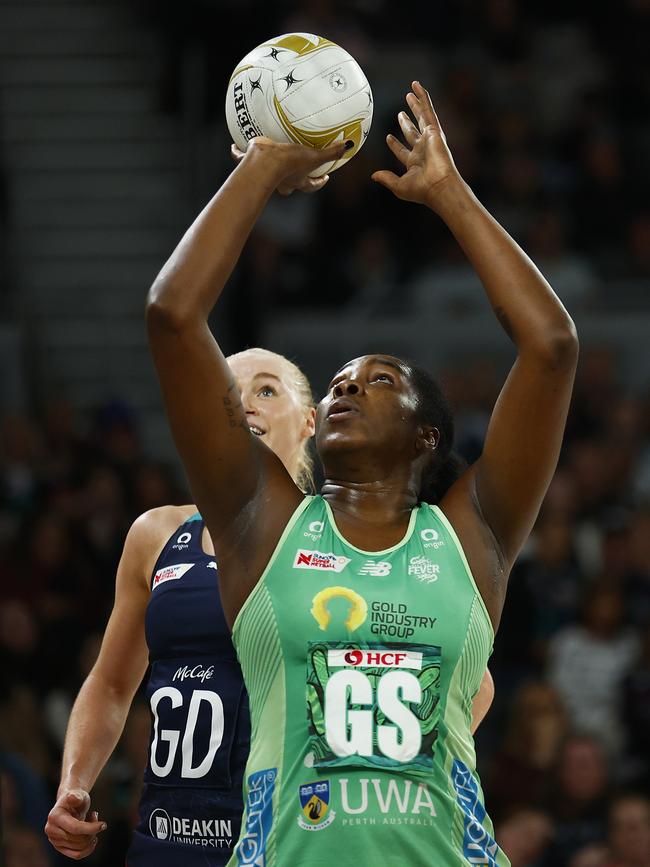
[[545, 106]]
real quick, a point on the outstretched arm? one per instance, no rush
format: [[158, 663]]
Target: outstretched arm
[[228, 468], [508, 482], [101, 708]]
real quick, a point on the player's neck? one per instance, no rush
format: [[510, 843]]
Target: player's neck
[[380, 503]]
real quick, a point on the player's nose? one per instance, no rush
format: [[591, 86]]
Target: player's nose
[[348, 386]]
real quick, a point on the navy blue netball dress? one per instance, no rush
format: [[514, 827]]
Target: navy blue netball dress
[[191, 805]]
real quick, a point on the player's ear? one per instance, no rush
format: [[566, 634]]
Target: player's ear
[[427, 438], [309, 428]]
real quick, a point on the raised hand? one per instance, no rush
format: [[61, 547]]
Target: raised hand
[[293, 162], [425, 155], [70, 828]]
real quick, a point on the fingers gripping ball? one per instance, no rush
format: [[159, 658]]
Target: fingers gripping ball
[[300, 88]]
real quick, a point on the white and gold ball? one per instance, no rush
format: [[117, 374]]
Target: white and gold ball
[[300, 88]]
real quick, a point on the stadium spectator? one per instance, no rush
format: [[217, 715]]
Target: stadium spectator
[[629, 832], [636, 714], [577, 798], [524, 837], [588, 662], [520, 771]]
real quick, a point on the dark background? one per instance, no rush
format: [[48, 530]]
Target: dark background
[[112, 137]]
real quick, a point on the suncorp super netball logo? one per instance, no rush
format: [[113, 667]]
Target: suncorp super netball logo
[[318, 560], [170, 573]]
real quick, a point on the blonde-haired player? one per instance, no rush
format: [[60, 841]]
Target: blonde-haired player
[[167, 613]]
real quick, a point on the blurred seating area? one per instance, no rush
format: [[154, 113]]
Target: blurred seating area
[[542, 104], [70, 487]]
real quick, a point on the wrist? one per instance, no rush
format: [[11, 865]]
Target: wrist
[[264, 159], [68, 784], [450, 197]]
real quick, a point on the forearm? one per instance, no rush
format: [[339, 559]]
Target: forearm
[[192, 279], [529, 311], [96, 723]]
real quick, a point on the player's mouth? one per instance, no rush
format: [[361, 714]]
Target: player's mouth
[[256, 430], [342, 409]]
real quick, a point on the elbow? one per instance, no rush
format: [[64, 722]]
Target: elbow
[[566, 346], [165, 312], [559, 348]]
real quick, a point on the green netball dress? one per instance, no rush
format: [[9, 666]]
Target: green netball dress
[[361, 667]]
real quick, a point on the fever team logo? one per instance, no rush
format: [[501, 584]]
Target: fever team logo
[[314, 800], [424, 570]]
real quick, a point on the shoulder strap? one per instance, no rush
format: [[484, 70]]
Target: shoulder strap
[[187, 537]]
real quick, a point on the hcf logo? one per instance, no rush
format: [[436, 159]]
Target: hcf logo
[[357, 658]]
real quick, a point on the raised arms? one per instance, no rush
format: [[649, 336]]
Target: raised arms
[[508, 483], [231, 472]]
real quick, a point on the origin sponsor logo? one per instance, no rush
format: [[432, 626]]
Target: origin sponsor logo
[[181, 542], [171, 573], [215, 833], [317, 560], [431, 538], [356, 658], [315, 531]]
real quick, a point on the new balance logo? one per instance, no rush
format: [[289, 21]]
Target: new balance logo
[[376, 568]]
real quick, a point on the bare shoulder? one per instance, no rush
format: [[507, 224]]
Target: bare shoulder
[[162, 519], [461, 508], [152, 529]]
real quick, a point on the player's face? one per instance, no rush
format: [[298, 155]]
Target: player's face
[[370, 404], [272, 404]]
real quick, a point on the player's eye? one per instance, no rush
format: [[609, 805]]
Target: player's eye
[[267, 391], [382, 377]]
